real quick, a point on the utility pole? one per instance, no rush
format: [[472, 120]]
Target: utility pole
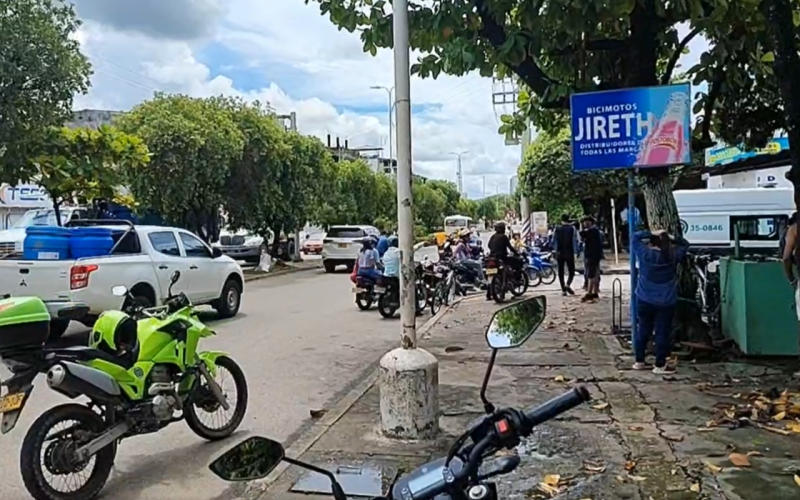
[[524, 201], [484, 186], [409, 376], [389, 91], [459, 173], [292, 118]]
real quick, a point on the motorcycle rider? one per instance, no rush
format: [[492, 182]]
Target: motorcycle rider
[[499, 248], [369, 261], [463, 256], [391, 259]]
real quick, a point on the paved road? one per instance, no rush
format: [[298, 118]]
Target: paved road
[[300, 339]]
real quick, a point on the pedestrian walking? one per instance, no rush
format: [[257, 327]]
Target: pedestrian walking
[[658, 255], [565, 246], [592, 255]]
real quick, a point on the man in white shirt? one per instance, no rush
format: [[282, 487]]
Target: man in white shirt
[[391, 259]]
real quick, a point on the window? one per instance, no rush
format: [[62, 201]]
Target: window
[[194, 247], [165, 242], [346, 232], [758, 227]]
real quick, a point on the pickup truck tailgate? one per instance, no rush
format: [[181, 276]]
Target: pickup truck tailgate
[[48, 280]]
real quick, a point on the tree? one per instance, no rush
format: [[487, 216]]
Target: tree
[[193, 143], [546, 176], [450, 192], [41, 70], [357, 195], [84, 164], [429, 206], [253, 189]]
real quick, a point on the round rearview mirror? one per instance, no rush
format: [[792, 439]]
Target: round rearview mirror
[[253, 458], [512, 326], [119, 291], [175, 277]]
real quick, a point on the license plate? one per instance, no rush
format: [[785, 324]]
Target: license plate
[[342, 245], [358, 290], [491, 271], [12, 402], [380, 289]]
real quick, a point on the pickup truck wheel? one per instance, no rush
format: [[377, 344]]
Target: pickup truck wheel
[[228, 304], [57, 328]]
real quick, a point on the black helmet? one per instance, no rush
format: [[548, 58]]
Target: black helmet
[[393, 241], [500, 227]]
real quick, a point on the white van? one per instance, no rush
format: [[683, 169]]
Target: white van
[[708, 216]]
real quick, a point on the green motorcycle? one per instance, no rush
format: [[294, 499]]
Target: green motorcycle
[[141, 372]]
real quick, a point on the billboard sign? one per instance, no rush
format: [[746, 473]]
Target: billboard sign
[[539, 222], [631, 128], [725, 155], [24, 196]]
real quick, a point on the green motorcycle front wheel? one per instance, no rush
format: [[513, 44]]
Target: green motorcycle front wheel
[[204, 405]]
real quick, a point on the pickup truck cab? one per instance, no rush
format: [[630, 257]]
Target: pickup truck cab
[[143, 259]]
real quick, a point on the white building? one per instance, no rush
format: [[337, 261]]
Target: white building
[[92, 118]]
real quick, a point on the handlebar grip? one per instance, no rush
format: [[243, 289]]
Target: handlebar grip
[[556, 406]]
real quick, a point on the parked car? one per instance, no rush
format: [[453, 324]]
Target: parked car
[[312, 245], [142, 259], [341, 245], [240, 245]]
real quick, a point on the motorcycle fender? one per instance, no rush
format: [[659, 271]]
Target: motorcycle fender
[[210, 359], [19, 383]]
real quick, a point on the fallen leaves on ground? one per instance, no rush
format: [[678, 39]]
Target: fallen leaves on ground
[[797, 480], [713, 468], [593, 468], [630, 465], [739, 460], [560, 378], [600, 406], [695, 487], [635, 428], [773, 411]]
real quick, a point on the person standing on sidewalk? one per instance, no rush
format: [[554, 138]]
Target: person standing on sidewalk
[[565, 245], [791, 261], [656, 294], [592, 255]]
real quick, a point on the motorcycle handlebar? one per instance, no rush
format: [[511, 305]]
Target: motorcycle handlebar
[[536, 415]]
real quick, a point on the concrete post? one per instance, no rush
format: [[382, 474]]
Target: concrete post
[[409, 376]]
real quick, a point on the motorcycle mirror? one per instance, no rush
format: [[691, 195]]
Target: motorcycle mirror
[[175, 277], [119, 291], [511, 327], [253, 458]]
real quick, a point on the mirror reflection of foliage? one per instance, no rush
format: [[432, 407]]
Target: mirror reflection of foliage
[[251, 459], [518, 321]]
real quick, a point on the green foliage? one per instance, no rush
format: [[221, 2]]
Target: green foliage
[[193, 143], [84, 164], [430, 206], [357, 195], [41, 69], [546, 177]]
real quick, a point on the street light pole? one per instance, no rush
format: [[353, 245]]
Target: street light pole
[[459, 174], [409, 376], [389, 91]]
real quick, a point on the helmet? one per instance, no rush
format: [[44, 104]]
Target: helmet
[[464, 233], [500, 227], [393, 241], [368, 242], [114, 332]]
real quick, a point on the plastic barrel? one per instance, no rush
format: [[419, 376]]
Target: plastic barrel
[[90, 242], [46, 243]]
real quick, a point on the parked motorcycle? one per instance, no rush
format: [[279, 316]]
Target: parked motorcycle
[[468, 467], [540, 269], [506, 278], [446, 286], [139, 377]]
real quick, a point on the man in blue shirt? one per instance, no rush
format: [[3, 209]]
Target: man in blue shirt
[[391, 259], [383, 243]]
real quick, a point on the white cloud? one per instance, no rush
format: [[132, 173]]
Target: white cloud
[[284, 52]]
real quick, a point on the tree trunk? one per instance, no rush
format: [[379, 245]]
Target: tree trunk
[[276, 241], [57, 211]]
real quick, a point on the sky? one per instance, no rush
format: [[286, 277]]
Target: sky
[[285, 53]]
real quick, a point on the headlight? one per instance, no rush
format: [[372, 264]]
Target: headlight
[[253, 242]]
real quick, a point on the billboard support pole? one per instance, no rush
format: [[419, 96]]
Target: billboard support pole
[[631, 232]]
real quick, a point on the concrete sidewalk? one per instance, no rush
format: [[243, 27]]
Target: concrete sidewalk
[[710, 431]]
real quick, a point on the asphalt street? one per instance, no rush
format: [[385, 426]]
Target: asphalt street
[[300, 339]]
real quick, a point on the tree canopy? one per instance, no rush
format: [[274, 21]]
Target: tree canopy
[[41, 70]]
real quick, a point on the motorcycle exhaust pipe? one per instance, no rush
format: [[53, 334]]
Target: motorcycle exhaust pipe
[[73, 380]]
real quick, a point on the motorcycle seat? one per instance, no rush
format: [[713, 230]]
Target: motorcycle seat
[[363, 281], [86, 353]]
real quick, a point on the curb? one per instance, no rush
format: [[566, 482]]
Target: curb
[[281, 272], [308, 437]]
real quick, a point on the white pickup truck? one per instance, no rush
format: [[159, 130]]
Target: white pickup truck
[[143, 259]]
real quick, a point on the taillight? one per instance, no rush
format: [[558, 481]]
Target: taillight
[[491, 263], [79, 276]]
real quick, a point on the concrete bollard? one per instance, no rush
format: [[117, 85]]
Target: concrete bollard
[[409, 388]]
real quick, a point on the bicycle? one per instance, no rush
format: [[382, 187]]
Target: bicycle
[[445, 290], [708, 289]]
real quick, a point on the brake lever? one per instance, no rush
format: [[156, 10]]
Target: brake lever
[[500, 466]]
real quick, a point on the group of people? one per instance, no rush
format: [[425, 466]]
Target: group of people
[[379, 256], [568, 242]]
